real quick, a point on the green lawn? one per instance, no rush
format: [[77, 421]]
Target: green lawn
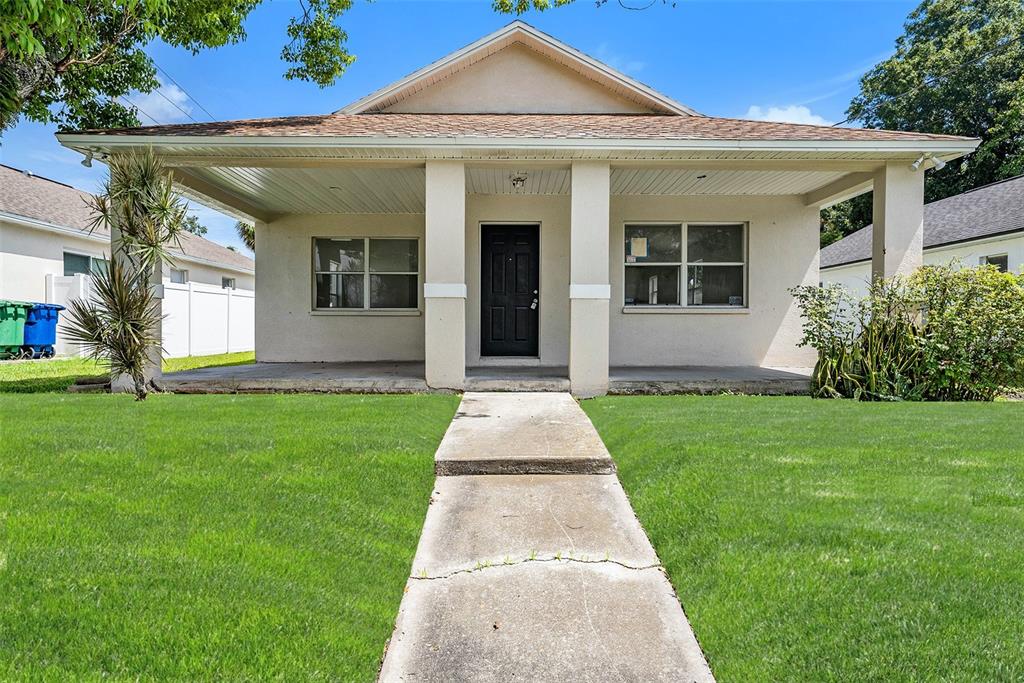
[[58, 374], [834, 540], [208, 537]]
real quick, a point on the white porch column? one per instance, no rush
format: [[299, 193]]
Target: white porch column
[[444, 291], [898, 232], [589, 288]]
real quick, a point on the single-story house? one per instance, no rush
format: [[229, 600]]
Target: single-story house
[[982, 226], [519, 203], [47, 253]]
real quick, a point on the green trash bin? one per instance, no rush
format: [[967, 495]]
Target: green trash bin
[[12, 327]]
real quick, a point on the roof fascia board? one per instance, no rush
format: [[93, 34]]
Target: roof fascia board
[[985, 239], [953, 147], [36, 224], [510, 31]]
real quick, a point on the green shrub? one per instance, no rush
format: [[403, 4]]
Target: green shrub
[[942, 334]]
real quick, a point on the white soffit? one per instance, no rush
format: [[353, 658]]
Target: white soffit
[[401, 190], [522, 33]]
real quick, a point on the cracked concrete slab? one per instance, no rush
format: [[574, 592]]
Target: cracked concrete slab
[[521, 433], [494, 519], [535, 576], [541, 621]]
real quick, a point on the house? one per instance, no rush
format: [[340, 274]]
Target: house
[[984, 225], [47, 254], [518, 203]]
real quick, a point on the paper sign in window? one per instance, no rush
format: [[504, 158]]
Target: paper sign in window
[[638, 247]]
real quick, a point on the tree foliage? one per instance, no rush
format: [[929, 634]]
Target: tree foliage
[[191, 224], [958, 70], [246, 233], [72, 62]]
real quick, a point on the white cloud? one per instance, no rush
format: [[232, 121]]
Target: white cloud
[[793, 113], [617, 61], [166, 104]]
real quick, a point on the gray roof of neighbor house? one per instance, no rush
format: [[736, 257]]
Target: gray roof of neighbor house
[[48, 201], [986, 211]]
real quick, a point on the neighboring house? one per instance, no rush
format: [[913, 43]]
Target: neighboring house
[[520, 203], [984, 225], [45, 242]]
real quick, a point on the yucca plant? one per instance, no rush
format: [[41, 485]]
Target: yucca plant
[[119, 326]]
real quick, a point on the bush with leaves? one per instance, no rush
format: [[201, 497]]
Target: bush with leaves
[[120, 325], [942, 334]]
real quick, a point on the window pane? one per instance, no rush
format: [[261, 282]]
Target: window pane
[[99, 266], [393, 291], [1002, 262], [652, 285], [75, 264], [339, 291], [179, 277], [393, 256], [654, 244], [715, 286], [714, 243], [338, 255]]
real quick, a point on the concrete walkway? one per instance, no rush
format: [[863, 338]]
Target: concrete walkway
[[535, 576]]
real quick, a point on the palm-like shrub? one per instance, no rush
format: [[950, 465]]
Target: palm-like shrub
[[119, 326], [942, 334]]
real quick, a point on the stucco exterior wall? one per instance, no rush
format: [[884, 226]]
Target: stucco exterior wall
[[287, 328], [516, 80], [782, 253], [28, 255], [211, 275], [855, 276]]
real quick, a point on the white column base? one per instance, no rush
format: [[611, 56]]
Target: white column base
[[445, 349], [588, 347]]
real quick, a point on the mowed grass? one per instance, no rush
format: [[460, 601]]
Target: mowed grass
[[58, 374], [834, 540], [208, 537]]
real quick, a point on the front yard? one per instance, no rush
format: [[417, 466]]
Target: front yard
[[834, 540], [208, 537]]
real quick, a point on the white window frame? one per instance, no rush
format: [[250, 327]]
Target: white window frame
[[366, 273], [92, 259], [682, 286], [985, 260], [184, 275]]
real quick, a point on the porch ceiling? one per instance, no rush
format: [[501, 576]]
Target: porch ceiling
[[370, 189]]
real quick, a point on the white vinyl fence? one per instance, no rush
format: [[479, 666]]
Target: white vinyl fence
[[199, 320]]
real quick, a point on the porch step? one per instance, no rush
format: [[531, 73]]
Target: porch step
[[521, 433], [517, 379]]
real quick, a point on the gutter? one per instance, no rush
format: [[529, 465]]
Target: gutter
[[45, 226], [96, 141]]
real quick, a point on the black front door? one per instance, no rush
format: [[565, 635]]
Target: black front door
[[510, 281]]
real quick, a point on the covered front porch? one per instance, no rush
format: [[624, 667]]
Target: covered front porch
[[408, 377], [383, 269]]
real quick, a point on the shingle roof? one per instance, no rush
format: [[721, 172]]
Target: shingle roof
[[554, 126], [42, 199], [983, 212]]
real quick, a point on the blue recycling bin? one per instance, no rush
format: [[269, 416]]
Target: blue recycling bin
[[41, 331]]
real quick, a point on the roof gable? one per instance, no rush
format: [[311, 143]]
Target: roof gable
[[517, 69]]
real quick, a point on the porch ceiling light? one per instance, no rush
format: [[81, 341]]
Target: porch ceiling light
[[87, 161], [518, 180]]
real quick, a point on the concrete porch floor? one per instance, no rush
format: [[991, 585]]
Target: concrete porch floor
[[392, 378]]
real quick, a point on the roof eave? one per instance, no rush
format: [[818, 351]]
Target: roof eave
[[950, 149]]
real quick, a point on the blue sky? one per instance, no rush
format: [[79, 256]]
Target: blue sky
[[796, 61]]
